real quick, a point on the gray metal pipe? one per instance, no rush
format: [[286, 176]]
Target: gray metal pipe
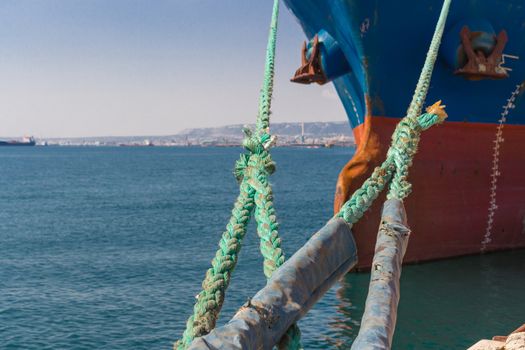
[[293, 289], [379, 319]]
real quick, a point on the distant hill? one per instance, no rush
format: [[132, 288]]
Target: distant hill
[[287, 133], [313, 129]]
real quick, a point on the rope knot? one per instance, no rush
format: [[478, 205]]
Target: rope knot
[[258, 159]]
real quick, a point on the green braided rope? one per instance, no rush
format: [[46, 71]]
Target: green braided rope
[[259, 166], [400, 153], [261, 142], [404, 147], [405, 139], [210, 299], [251, 171], [267, 229], [267, 226], [423, 84], [265, 99], [399, 187]]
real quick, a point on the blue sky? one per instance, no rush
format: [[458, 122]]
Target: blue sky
[[128, 67]]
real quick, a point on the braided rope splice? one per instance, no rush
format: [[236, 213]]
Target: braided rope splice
[[398, 160]]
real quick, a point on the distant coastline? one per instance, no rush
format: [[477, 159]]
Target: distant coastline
[[313, 134]]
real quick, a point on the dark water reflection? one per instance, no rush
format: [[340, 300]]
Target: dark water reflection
[[445, 304]]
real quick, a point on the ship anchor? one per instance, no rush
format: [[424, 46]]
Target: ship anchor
[[311, 70], [481, 65]]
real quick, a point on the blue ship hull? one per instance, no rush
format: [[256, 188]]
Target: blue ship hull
[[385, 44], [468, 188]]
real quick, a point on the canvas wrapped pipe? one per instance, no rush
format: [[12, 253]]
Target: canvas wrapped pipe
[[292, 290], [379, 319]]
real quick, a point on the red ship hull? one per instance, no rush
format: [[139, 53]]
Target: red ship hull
[[451, 207]]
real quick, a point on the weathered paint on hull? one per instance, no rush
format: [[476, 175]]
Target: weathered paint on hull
[[451, 177], [385, 43]]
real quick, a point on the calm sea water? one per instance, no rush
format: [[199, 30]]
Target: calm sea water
[[105, 248]]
